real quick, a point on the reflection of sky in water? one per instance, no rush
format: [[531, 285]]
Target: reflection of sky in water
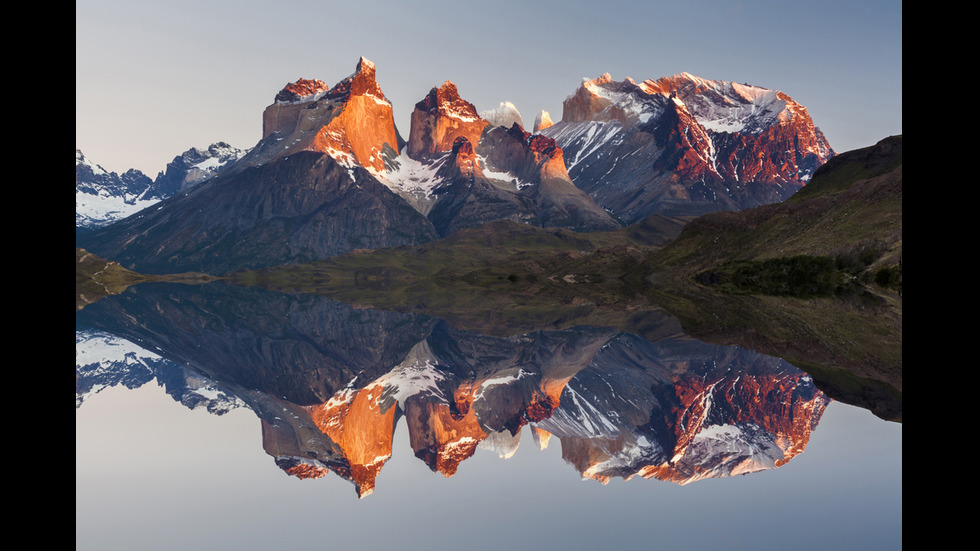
[[151, 474]]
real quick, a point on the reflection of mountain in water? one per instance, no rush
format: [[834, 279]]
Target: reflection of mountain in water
[[330, 382]]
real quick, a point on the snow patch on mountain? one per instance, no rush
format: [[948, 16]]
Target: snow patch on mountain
[[501, 175], [105, 207], [505, 377], [417, 374], [412, 177], [103, 360], [585, 138], [103, 197], [580, 417], [96, 347]]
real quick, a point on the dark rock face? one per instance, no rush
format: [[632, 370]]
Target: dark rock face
[[193, 167], [466, 198], [300, 208], [539, 166], [90, 178]]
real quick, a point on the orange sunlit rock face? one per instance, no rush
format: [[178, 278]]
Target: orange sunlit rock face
[[356, 422], [440, 437], [587, 105], [766, 401], [352, 122], [542, 121], [440, 118], [541, 437], [301, 89], [303, 470]]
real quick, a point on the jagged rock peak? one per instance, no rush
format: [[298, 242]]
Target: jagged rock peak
[[505, 114], [603, 99], [445, 101], [361, 82], [352, 122], [301, 90], [542, 146], [439, 119], [81, 159], [542, 121]]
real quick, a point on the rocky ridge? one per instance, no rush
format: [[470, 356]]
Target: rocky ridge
[[686, 145], [103, 197]]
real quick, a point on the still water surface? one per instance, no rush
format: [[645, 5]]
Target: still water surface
[[153, 474]]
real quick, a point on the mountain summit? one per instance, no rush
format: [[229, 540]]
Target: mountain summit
[[439, 118], [352, 121], [686, 145]]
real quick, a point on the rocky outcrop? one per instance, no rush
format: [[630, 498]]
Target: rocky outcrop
[[300, 91], [352, 121], [542, 121], [193, 167], [603, 99], [463, 161], [363, 430], [440, 118]]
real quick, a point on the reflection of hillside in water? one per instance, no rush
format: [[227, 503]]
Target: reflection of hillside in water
[[330, 382]]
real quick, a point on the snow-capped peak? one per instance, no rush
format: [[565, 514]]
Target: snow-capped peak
[[505, 114], [80, 159]]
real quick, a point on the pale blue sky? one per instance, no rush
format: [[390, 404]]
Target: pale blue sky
[[156, 78]]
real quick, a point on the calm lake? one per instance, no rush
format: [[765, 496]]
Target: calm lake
[[245, 419]]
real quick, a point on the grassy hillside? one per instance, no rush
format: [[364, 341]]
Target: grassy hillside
[[850, 215], [816, 280]]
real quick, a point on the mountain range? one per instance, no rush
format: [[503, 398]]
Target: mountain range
[[331, 173], [103, 197]]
